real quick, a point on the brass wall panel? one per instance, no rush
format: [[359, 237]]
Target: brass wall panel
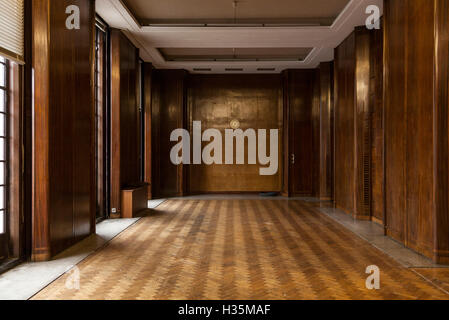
[[256, 101]]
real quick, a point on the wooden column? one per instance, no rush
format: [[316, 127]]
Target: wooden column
[[416, 60], [63, 162], [352, 142], [362, 123], [147, 87], [316, 136], [441, 132], [125, 124], [115, 124], [326, 133], [377, 128], [168, 113]]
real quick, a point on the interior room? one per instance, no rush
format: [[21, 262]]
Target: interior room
[[224, 150]]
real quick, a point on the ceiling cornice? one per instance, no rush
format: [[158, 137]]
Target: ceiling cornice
[[322, 38]]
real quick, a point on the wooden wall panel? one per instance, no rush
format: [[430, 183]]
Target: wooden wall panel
[[353, 125], [395, 118], [115, 152], [125, 118], [41, 241], [168, 114], [344, 126], [419, 133], [441, 118], [254, 100], [377, 127], [416, 133], [363, 123], [129, 115], [316, 149], [326, 171], [63, 193], [147, 97]]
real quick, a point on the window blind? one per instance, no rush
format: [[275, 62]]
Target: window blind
[[12, 29]]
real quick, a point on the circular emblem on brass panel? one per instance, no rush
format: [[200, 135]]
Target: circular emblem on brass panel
[[235, 124]]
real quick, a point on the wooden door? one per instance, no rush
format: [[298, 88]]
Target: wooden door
[[301, 132]]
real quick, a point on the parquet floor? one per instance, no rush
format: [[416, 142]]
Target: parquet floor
[[239, 249]]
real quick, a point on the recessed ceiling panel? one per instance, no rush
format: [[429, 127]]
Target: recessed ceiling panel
[[282, 12], [237, 54]]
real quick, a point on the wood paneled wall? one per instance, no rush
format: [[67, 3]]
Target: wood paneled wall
[[316, 144], [125, 117], [147, 100], [256, 102], [63, 127], [441, 122], [168, 114], [416, 131], [352, 125], [326, 134], [290, 103], [377, 127]]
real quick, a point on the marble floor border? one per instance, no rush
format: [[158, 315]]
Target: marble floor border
[[373, 233]]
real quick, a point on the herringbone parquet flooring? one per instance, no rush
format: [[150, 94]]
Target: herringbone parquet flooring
[[239, 249]]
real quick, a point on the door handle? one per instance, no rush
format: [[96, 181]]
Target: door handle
[[293, 158]]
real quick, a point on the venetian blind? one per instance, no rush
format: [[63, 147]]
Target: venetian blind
[[12, 29]]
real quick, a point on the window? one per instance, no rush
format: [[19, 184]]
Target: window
[[12, 29], [101, 94], [3, 144]]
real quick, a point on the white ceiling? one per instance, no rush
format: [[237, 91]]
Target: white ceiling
[[314, 12], [322, 38]]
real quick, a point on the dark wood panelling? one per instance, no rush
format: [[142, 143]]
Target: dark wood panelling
[[115, 123], [344, 126], [326, 131], [147, 94], [63, 194], [168, 114], [409, 122], [125, 121], [441, 245], [129, 114], [353, 125], [395, 117], [377, 127], [362, 123], [299, 88], [316, 149], [256, 102], [415, 88], [419, 133], [41, 182]]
